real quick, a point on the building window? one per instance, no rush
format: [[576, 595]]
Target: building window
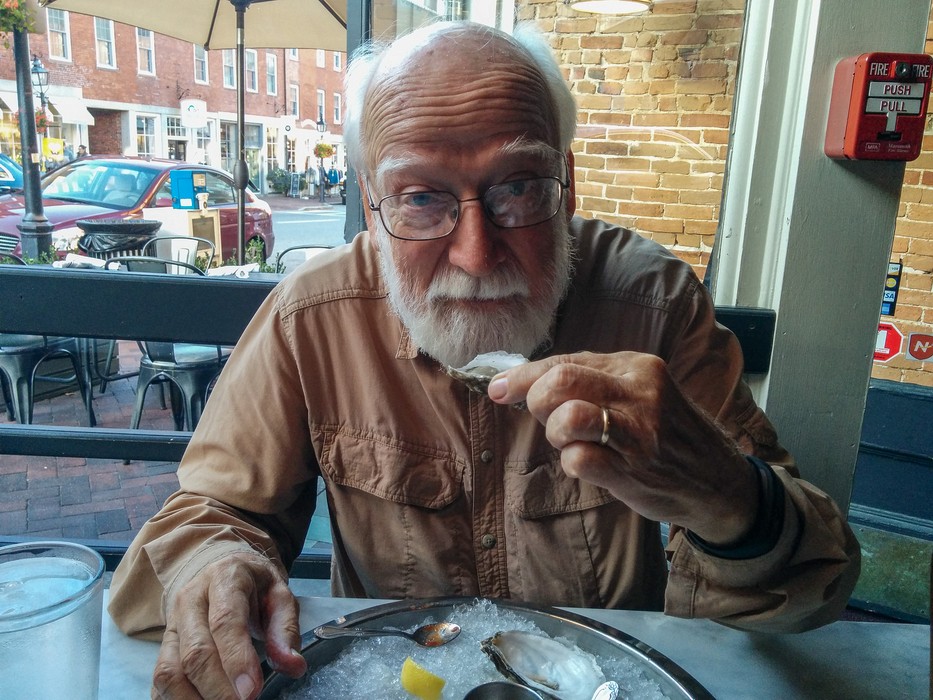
[[272, 74], [338, 108], [202, 142], [338, 61], [272, 138], [293, 54], [229, 63], [59, 35], [200, 64], [321, 56], [103, 33], [293, 99], [145, 51], [174, 129], [145, 136], [251, 70], [320, 104]]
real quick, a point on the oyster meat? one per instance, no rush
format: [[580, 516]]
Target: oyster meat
[[478, 372], [558, 671]]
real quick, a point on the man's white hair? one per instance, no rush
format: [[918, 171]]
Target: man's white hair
[[367, 61]]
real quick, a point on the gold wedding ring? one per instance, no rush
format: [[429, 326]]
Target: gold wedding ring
[[604, 438]]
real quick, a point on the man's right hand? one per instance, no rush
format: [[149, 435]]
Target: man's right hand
[[208, 651]]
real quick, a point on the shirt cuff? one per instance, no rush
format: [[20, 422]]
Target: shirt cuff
[[769, 520]]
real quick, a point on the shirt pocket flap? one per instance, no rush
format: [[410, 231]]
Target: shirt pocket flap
[[543, 489], [412, 474]]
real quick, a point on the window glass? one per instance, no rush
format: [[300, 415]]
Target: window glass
[[145, 136], [338, 108], [272, 74], [229, 67], [103, 33], [59, 36], [200, 64], [145, 51], [251, 70], [293, 100]]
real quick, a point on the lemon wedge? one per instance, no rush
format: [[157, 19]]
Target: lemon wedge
[[420, 682]]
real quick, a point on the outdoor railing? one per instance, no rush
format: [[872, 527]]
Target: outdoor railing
[[179, 308]]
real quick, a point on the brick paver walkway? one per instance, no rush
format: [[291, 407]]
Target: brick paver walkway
[[81, 498]]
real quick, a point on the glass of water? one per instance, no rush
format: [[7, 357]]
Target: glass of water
[[51, 594]]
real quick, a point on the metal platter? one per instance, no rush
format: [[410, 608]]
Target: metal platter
[[588, 634]]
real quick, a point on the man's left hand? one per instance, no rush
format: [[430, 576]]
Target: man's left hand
[[663, 456]]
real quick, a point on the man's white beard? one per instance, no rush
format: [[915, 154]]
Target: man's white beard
[[453, 334]]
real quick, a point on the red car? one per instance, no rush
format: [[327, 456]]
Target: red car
[[122, 187]]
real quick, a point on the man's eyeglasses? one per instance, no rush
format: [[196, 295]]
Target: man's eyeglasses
[[424, 216]]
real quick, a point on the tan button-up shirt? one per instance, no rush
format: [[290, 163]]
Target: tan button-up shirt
[[437, 491]]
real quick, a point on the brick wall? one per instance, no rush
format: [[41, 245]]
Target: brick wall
[[655, 94]]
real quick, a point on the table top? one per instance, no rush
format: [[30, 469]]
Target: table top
[[844, 660]]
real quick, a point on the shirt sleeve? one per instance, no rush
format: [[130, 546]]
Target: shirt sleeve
[[805, 580], [802, 583], [247, 480]]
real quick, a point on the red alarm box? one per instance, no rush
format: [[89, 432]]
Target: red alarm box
[[879, 106]]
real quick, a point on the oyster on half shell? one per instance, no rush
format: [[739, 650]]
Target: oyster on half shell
[[558, 671], [478, 372]]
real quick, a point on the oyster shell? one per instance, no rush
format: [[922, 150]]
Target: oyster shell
[[556, 670], [478, 372]]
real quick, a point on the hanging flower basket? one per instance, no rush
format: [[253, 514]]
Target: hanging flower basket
[[323, 150], [42, 120], [14, 15]]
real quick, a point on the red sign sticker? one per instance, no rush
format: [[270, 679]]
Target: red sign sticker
[[888, 343], [920, 347]]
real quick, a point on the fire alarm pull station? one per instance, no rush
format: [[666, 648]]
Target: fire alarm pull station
[[878, 107]]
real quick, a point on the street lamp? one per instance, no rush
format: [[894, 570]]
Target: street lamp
[[321, 128], [40, 83]]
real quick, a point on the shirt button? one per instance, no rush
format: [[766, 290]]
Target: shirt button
[[488, 541], [486, 456]]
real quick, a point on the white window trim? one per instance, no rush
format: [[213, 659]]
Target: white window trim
[[67, 33], [293, 89], [321, 105], [293, 54], [338, 61], [207, 66], [113, 44], [139, 48], [223, 68], [272, 62], [321, 57], [338, 108], [255, 72]]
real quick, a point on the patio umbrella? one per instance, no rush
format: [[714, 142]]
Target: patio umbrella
[[221, 24]]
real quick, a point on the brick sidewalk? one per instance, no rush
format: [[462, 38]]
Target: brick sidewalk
[[81, 498]]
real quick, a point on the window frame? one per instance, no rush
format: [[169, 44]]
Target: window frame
[[109, 42], [251, 70], [142, 50], [228, 63], [64, 32], [272, 74], [200, 58]]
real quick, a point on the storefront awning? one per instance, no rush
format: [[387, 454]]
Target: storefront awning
[[71, 110], [10, 101]]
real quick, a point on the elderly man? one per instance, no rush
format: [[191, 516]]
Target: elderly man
[[636, 411]]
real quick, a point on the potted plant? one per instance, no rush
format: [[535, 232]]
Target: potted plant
[[15, 15]]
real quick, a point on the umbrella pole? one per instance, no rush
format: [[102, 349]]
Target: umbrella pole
[[240, 171]]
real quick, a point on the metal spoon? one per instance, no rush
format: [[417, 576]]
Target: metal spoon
[[433, 635]]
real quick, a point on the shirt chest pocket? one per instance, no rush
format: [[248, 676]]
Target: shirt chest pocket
[[540, 489], [391, 470]]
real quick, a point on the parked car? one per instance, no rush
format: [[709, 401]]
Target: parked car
[[11, 174], [123, 187]]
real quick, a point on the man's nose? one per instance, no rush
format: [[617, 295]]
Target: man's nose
[[474, 245]]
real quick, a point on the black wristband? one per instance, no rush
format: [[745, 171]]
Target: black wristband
[[769, 519]]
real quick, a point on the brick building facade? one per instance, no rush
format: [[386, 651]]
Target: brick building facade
[[120, 90]]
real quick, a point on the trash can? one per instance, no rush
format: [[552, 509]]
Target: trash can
[[108, 238]]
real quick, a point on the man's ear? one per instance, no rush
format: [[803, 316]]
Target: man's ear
[[368, 213], [572, 189]]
